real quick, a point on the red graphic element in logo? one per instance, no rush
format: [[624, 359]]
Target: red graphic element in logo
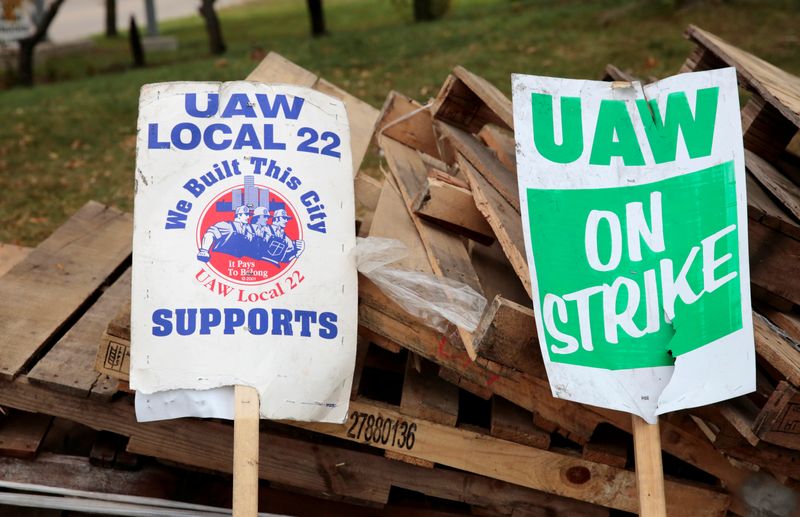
[[249, 235]]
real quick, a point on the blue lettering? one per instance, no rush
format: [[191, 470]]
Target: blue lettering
[[233, 318], [208, 137], [281, 103], [161, 321], [258, 321], [152, 138], [194, 136], [185, 321], [209, 318], [211, 108], [247, 138], [239, 105], [327, 320], [281, 322]]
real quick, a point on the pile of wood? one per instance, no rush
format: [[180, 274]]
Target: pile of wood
[[473, 427]]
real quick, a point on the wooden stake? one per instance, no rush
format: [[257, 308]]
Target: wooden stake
[[245, 452], [649, 471]]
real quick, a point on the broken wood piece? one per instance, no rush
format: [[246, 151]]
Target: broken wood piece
[[503, 219], [21, 433], [779, 420], [762, 208], [613, 73], [447, 253], [776, 183], [501, 178], [426, 395], [515, 424], [776, 86], [507, 335], [775, 346], [773, 264], [501, 142], [608, 445], [470, 102], [496, 274], [69, 266], [453, 208], [64, 367], [407, 121]]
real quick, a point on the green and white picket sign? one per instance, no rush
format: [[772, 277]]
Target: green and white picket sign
[[634, 209]]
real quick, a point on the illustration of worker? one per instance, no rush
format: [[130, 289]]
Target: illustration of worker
[[271, 240], [234, 238]]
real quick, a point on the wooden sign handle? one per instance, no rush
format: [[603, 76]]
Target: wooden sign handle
[[245, 452], [649, 471]]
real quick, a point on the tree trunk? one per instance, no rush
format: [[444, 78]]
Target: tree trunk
[[317, 18], [136, 44], [215, 41], [111, 18], [28, 45]]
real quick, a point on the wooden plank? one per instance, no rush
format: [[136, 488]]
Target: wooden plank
[[320, 468], [765, 130], [501, 143], [277, 69], [761, 208], [575, 421], [69, 266], [515, 424], [447, 254], [776, 183], [779, 420], [405, 120], [69, 365], [485, 161], [453, 208], [245, 451], [773, 261], [426, 395], [392, 221], [361, 117], [514, 463], [411, 460], [649, 469], [10, 255], [470, 102], [775, 346], [613, 73], [21, 433], [495, 273], [507, 335], [367, 191], [778, 87], [503, 219], [608, 445]]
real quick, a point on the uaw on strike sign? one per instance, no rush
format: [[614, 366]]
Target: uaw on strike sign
[[634, 208], [243, 271]]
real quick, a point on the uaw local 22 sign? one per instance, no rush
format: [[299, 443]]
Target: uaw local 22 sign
[[243, 265], [634, 208]]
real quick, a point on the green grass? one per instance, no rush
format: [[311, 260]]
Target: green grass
[[73, 139]]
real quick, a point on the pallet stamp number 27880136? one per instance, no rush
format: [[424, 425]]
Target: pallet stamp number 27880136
[[382, 430]]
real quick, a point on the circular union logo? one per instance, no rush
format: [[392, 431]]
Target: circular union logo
[[249, 234]]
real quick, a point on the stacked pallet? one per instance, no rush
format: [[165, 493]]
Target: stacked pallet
[[462, 419]]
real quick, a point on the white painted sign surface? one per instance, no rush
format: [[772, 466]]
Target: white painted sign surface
[[634, 209], [243, 269]]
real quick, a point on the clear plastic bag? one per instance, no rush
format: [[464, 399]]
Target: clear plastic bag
[[436, 301]]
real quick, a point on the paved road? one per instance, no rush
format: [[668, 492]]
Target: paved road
[[81, 18]]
